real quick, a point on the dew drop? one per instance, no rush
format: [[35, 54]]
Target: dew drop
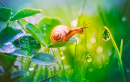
[[123, 19], [44, 28], [93, 40], [63, 57], [31, 68], [105, 35], [27, 73], [44, 25], [89, 58]]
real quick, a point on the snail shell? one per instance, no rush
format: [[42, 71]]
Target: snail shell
[[59, 33], [62, 33]]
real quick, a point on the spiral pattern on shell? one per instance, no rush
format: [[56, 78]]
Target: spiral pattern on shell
[[57, 36]]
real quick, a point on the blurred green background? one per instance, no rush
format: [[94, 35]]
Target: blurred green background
[[95, 59]]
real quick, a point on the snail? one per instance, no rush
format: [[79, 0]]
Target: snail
[[63, 33]]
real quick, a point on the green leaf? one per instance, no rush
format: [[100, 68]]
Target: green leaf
[[7, 48], [27, 46], [17, 74], [35, 32], [43, 59], [9, 34], [26, 12], [5, 14], [7, 61], [60, 44], [46, 25]]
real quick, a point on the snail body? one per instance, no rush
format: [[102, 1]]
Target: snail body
[[62, 33]]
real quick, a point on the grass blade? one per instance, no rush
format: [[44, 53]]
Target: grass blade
[[118, 53]]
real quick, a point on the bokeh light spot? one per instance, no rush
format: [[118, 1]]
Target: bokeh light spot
[[74, 22], [89, 45], [99, 49], [92, 40]]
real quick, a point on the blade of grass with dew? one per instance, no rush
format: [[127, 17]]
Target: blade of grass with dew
[[62, 63], [118, 53]]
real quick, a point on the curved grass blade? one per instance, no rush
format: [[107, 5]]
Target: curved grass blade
[[118, 53]]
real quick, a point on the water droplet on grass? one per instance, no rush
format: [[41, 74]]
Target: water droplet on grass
[[44, 28], [105, 35], [63, 57], [27, 73], [123, 19], [44, 25], [31, 68], [89, 58]]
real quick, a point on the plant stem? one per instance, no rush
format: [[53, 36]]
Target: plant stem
[[46, 71], [124, 9], [118, 53], [61, 61], [101, 15], [27, 64], [33, 71], [38, 75], [82, 8], [75, 63]]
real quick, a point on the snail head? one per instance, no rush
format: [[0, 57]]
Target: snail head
[[83, 27]]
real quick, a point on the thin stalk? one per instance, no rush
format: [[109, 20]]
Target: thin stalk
[[121, 48], [46, 71], [61, 61], [69, 7], [27, 64], [118, 53], [33, 71], [105, 61], [81, 11], [75, 63], [3, 4], [124, 9], [22, 66], [57, 63], [38, 75], [14, 65], [44, 80], [101, 15], [82, 8]]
